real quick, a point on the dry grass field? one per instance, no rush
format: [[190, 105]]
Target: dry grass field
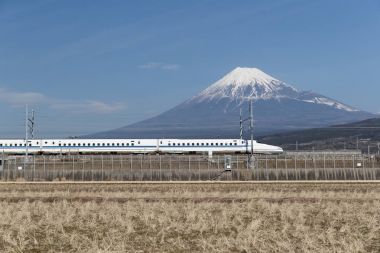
[[190, 217]]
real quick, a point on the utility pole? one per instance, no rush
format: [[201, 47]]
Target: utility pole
[[251, 132], [26, 135], [29, 127], [241, 125]]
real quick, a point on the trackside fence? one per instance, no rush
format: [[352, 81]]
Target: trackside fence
[[189, 167]]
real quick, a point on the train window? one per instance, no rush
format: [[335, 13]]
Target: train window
[[45, 142], [122, 144], [173, 144], [221, 144], [197, 144], [188, 144], [206, 144], [230, 144], [38, 143], [127, 144], [117, 144], [183, 144], [192, 144], [64, 144], [103, 144], [169, 144], [139, 142], [1, 144], [160, 142], [113, 144], [98, 144], [133, 144], [212, 144], [79, 144], [235, 144], [30, 145], [216, 144], [10, 145], [203, 144]]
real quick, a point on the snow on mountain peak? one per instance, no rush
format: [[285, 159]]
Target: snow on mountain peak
[[243, 83], [245, 76]]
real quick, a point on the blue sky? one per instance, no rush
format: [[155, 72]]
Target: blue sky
[[87, 66]]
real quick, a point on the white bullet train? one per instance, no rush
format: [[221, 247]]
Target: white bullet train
[[64, 146]]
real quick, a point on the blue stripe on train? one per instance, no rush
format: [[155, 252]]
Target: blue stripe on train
[[126, 147]]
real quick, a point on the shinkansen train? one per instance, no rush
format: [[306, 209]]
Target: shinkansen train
[[63, 146]]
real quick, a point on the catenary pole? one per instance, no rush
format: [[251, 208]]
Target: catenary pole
[[26, 134], [251, 131], [241, 125]]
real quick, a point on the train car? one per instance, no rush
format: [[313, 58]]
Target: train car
[[63, 146]]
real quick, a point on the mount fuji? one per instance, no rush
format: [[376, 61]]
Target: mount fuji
[[214, 112]]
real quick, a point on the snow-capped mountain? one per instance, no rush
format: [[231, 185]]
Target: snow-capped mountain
[[214, 112], [251, 83], [246, 83]]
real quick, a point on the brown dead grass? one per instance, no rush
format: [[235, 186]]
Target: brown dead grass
[[171, 218]]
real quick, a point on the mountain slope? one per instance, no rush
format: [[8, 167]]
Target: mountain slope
[[214, 112], [337, 136]]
